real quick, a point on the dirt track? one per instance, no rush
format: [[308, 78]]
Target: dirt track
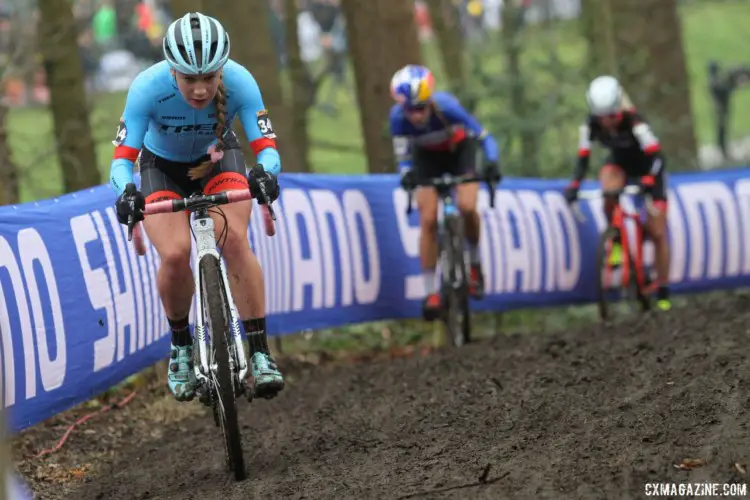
[[584, 414]]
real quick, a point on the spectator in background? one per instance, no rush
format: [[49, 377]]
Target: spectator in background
[[330, 18], [89, 56], [104, 24]]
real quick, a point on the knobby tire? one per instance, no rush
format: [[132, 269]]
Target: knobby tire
[[458, 317], [218, 317]]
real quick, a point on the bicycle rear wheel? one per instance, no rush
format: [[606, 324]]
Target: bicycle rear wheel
[[217, 316], [457, 317]]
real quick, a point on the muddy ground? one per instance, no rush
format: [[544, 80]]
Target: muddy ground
[[579, 414]]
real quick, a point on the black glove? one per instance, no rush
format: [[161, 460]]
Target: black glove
[[491, 171], [647, 184], [130, 202], [571, 192], [263, 186], [408, 180]]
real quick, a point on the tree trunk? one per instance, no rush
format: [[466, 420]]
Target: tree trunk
[[181, 7], [512, 17], [445, 25], [651, 65], [596, 22], [301, 83], [58, 43], [382, 38], [249, 28], [9, 183]]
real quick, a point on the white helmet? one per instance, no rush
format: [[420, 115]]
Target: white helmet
[[196, 44], [604, 96]]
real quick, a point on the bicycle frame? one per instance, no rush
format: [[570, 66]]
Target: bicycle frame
[[203, 230], [620, 216]]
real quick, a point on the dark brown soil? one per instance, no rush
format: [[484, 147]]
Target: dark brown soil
[[593, 413]]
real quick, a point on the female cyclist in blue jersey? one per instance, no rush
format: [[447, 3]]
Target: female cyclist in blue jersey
[[177, 124], [432, 135]]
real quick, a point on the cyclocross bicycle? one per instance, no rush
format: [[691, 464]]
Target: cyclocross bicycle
[[221, 365], [454, 288], [634, 279]]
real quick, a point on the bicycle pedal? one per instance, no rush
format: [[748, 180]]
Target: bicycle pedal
[[204, 396]]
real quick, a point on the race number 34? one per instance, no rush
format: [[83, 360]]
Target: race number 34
[[264, 125]]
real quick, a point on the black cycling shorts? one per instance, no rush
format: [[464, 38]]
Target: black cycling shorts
[[633, 172], [461, 161], [163, 179]]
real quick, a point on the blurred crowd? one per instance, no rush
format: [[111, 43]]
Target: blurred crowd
[[119, 38]]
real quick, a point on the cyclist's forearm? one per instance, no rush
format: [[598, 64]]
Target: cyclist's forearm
[[491, 150], [270, 160], [120, 174], [582, 168]]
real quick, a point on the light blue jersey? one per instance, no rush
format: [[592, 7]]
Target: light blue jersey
[[158, 117]]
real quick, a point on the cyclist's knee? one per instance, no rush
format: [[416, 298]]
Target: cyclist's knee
[[657, 228], [428, 222], [467, 206], [236, 241], [175, 258]]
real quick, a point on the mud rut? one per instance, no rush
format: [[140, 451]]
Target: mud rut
[[579, 414]]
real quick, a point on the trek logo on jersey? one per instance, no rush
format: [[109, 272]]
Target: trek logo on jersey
[[197, 128], [264, 124], [122, 133]]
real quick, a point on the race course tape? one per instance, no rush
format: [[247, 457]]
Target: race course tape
[[79, 311]]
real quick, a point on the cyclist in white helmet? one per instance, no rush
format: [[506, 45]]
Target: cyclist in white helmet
[[634, 155], [178, 117]]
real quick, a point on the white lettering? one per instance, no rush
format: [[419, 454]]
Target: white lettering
[[517, 248], [677, 239], [568, 264], [31, 249], [328, 213], [307, 270], [356, 207], [97, 286], [124, 300], [409, 234], [742, 189], [492, 244], [8, 261], [711, 197], [541, 238]]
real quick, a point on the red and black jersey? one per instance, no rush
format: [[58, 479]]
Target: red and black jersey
[[632, 145]]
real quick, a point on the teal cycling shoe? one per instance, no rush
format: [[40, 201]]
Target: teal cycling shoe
[[180, 374], [267, 379]]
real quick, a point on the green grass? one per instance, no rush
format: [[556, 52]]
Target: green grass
[[711, 30]]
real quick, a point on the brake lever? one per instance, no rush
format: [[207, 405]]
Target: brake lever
[[131, 224], [491, 185]]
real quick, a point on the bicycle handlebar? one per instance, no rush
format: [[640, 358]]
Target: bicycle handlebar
[[195, 202], [448, 181], [614, 194]]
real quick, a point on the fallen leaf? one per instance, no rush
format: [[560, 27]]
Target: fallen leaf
[[691, 463], [78, 472], [670, 383], [740, 468]]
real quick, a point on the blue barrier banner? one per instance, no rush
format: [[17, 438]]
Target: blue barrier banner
[[79, 311]]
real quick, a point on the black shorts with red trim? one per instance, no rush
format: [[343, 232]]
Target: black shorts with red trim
[[462, 160], [634, 170], [163, 179]]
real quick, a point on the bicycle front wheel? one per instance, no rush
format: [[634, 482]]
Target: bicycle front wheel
[[217, 316], [456, 286]]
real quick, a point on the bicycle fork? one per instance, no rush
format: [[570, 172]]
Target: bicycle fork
[[203, 228]]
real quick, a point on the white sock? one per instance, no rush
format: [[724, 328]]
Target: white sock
[[428, 275], [473, 253]]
